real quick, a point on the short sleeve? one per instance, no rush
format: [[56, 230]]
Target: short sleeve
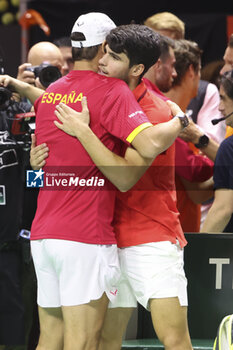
[[121, 115]]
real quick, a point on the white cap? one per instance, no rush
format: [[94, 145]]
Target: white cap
[[95, 26]]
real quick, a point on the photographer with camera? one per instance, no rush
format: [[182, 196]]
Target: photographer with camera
[[45, 65]]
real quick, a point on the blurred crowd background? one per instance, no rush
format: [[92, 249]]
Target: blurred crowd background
[[207, 23]]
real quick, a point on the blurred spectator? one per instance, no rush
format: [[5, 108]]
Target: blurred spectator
[[204, 106], [166, 24], [188, 66], [43, 52], [228, 65], [64, 44], [228, 56], [220, 215], [185, 87], [190, 167], [162, 73], [210, 72]]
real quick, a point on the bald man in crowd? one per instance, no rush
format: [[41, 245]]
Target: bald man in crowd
[[42, 52]]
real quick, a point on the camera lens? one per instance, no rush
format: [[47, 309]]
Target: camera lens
[[48, 75]]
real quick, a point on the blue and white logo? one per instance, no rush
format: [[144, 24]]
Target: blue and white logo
[[35, 178]]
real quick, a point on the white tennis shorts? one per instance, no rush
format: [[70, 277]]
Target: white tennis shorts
[[72, 273], [149, 271]]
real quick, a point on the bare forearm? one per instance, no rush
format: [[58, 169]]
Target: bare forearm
[[24, 89], [29, 91], [211, 149], [193, 134], [166, 133], [122, 172], [199, 192], [156, 139], [216, 220]]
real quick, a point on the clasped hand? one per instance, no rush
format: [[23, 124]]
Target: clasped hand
[[71, 121]]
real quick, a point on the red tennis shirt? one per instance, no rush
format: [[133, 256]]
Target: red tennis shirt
[[77, 202], [148, 212]]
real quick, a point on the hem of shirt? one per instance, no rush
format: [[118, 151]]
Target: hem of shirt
[[37, 237], [182, 241]]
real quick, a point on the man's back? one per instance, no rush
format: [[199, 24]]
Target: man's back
[[77, 201]]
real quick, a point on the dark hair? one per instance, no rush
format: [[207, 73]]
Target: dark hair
[[140, 43], [226, 81], [210, 72], [83, 53], [63, 41], [187, 53], [165, 44]]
